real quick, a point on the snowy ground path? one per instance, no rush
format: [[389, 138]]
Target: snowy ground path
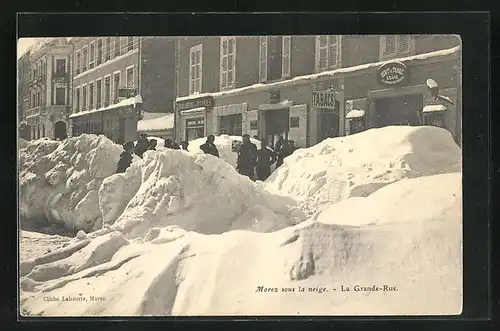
[[33, 245]]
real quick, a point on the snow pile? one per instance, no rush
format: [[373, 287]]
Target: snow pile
[[355, 113], [125, 102], [196, 192], [224, 144], [433, 108], [59, 181], [169, 271], [159, 123], [339, 168]]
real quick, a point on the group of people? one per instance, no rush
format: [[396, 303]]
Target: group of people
[[253, 162], [143, 145]]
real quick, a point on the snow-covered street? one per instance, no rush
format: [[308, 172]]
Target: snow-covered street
[[341, 228]]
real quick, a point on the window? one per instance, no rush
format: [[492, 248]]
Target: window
[[327, 52], [85, 58], [107, 90], [60, 67], [98, 93], [130, 77], [91, 95], [262, 59], [99, 52], [107, 56], [195, 68], [130, 43], [286, 50], [116, 86], [60, 96], [394, 45], [92, 55], [78, 61], [117, 46], [77, 99], [227, 62], [84, 97]]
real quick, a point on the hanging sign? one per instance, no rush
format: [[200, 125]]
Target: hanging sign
[[392, 73]]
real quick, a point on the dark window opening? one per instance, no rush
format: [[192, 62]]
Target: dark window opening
[[231, 125]]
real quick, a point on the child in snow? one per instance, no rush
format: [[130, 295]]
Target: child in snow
[[125, 157]]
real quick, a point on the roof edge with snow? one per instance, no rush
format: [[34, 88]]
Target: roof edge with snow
[[321, 75], [127, 102]]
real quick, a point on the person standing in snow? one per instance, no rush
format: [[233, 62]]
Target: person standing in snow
[[125, 157], [247, 158], [168, 143], [265, 158], [277, 149], [175, 145], [209, 147], [152, 145], [185, 145], [142, 145]]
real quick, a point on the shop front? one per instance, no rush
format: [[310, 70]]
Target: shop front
[[191, 118], [327, 106]]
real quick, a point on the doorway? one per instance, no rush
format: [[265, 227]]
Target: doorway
[[277, 124], [405, 110], [328, 126], [60, 130]]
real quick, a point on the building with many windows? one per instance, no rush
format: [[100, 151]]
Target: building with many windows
[[308, 88], [45, 88], [116, 79]]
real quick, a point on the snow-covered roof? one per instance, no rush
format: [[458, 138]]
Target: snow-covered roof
[[194, 110], [161, 123], [325, 74], [355, 113], [126, 102], [433, 108]]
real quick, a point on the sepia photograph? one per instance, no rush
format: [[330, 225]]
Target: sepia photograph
[[266, 175]]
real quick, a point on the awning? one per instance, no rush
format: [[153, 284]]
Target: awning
[[193, 110], [434, 108]]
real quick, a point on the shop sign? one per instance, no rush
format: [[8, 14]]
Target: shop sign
[[207, 102], [324, 99], [392, 73], [195, 122], [126, 110]]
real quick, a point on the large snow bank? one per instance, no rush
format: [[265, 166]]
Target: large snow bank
[[224, 144], [173, 272], [358, 165], [196, 192], [59, 181]]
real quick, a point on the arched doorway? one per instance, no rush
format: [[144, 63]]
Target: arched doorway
[[60, 130]]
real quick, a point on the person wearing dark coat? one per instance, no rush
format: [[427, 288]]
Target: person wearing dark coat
[[142, 145], [168, 143], [175, 145], [125, 157], [247, 158], [265, 158], [209, 147], [277, 149], [185, 145], [152, 145]]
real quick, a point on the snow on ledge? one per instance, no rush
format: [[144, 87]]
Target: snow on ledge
[[194, 110], [325, 74], [355, 113], [126, 102], [162, 123], [434, 108]]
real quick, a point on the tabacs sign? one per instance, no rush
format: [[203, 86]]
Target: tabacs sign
[[392, 73], [324, 99]]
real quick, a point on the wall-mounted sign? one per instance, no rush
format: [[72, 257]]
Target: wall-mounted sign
[[294, 122], [195, 122], [392, 73], [207, 102], [254, 125], [324, 99], [274, 97], [126, 110]]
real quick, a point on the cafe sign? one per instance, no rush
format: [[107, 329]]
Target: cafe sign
[[324, 99], [207, 102], [392, 73]]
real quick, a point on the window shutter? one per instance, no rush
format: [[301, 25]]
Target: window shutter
[[262, 59], [286, 60], [404, 44], [332, 51]]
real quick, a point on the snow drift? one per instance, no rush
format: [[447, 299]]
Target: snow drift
[[358, 165], [59, 181], [196, 192], [417, 266]]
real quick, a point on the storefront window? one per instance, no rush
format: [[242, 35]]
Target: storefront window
[[231, 125], [195, 128]]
